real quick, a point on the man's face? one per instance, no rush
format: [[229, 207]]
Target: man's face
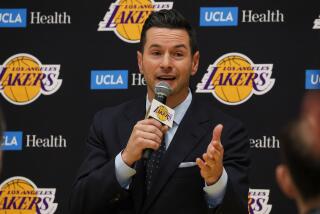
[[167, 57]]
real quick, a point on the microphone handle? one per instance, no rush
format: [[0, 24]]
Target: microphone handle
[[162, 99], [147, 153]]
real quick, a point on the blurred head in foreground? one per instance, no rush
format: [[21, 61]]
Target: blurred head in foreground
[[299, 174]]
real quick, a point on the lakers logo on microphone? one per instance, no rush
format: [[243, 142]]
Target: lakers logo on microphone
[[23, 78], [126, 17], [161, 112], [234, 78]]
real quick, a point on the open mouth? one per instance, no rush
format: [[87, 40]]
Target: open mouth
[[166, 78]]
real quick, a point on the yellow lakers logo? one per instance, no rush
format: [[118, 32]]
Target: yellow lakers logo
[[126, 17], [162, 113], [19, 195], [23, 78], [234, 78]]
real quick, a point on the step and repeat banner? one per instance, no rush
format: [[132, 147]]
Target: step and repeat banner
[[62, 61]]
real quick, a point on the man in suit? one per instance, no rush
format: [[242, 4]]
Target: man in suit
[[299, 174], [196, 167]]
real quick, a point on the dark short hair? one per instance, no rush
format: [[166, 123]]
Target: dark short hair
[[171, 19], [301, 159]]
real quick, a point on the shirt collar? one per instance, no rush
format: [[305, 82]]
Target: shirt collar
[[179, 110]]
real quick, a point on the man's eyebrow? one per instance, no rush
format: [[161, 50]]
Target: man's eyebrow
[[176, 46], [154, 46], [181, 46]]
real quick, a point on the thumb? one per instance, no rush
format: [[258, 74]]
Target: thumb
[[216, 133]]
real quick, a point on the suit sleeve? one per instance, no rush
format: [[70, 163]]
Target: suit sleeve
[[236, 163], [96, 187]]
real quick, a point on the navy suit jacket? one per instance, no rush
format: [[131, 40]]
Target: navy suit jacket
[[175, 190]]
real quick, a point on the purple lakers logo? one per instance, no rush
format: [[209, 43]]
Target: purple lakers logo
[[23, 78], [126, 17], [163, 113], [258, 201], [234, 78], [21, 195]]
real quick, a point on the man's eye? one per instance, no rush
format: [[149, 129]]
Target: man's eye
[[156, 53], [178, 54]]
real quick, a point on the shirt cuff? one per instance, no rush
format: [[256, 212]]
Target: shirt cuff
[[123, 172], [215, 192]]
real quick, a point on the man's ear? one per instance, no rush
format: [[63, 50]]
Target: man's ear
[[285, 182], [139, 59], [195, 63]]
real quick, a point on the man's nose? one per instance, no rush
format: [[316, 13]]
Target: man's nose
[[166, 61]]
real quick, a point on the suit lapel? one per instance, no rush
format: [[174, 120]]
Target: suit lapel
[[188, 134]]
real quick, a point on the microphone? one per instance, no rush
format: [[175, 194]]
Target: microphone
[[162, 91]]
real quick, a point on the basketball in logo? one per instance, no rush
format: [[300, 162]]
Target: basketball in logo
[[126, 17], [20, 188], [234, 78], [19, 195], [130, 26], [23, 78], [15, 91], [230, 91]]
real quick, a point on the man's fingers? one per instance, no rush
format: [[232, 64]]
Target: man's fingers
[[149, 144], [217, 145], [164, 129], [152, 125], [150, 129], [151, 121], [201, 164], [214, 150], [149, 136], [209, 160], [216, 134]]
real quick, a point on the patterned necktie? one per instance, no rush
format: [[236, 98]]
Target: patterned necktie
[[153, 163]]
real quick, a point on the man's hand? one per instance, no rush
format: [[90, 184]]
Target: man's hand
[[147, 133], [211, 166]]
